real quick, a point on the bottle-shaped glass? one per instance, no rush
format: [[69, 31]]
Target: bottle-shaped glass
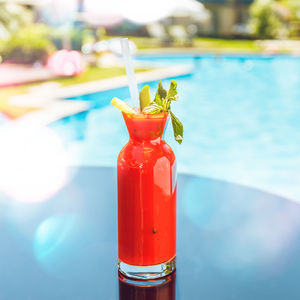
[[147, 184]]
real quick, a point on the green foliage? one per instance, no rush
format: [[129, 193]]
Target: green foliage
[[264, 22], [293, 6], [12, 18], [21, 40], [162, 103], [274, 18], [28, 45]]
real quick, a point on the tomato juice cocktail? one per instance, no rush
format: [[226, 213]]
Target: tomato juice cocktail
[[146, 193]]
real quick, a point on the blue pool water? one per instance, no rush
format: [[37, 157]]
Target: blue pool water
[[241, 119]]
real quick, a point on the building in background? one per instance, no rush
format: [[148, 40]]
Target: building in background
[[228, 17]]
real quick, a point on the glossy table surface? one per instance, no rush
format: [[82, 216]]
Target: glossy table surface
[[233, 242]]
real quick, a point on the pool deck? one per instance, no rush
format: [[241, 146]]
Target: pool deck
[[117, 82], [53, 112], [50, 98]]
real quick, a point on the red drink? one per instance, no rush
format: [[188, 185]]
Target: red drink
[[147, 195]]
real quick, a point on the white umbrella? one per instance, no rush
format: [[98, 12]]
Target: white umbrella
[[146, 11], [100, 19], [104, 13], [190, 9], [136, 11]]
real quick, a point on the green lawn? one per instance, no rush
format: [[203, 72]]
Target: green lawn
[[224, 45], [95, 73], [200, 44], [91, 74]]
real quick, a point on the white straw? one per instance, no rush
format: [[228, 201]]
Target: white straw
[[133, 89]]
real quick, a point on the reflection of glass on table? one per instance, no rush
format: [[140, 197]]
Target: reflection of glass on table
[[159, 289]]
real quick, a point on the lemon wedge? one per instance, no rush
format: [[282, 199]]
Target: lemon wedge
[[122, 106]]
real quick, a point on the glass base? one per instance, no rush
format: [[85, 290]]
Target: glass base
[[147, 272]]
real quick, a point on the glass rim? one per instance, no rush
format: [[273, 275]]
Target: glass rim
[[160, 116]]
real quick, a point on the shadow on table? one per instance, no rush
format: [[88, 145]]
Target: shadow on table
[[160, 289]]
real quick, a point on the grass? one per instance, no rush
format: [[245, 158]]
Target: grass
[[224, 45], [201, 44], [95, 73], [91, 74]]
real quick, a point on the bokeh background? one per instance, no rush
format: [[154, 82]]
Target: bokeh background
[[236, 63]]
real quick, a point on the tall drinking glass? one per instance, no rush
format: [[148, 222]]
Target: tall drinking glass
[[147, 184]]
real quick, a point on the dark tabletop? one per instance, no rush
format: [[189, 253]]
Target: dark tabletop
[[233, 242]]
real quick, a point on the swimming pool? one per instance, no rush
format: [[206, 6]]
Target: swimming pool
[[241, 117]]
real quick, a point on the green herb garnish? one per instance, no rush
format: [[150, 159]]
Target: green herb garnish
[[162, 103]]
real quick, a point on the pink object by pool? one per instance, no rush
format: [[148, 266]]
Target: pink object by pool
[[66, 63]]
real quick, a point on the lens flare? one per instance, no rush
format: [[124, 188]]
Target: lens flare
[[68, 245], [51, 235], [33, 162], [56, 244], [267, 226]]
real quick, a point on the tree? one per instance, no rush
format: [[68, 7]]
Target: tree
[[22, 40], [264, 21], [12, 18], [274, 18]]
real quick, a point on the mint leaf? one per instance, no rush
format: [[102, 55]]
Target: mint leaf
[[171, 95], [162, 103], [166, 104], [160, 94], [172, 92], [177, 128], [152, 109], [161, 90]]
